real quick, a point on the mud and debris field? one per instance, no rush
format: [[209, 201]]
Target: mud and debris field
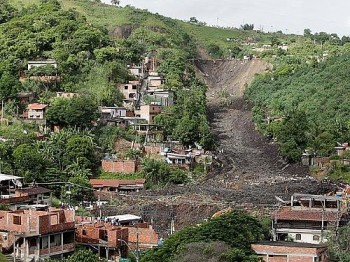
[[247, 174]]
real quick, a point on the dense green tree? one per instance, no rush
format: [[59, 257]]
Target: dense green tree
[[29, 162], [339, 244], [6, 11], [237, 229], [215, 51], [79, 111], [9, 85], [80, 150], [247, 27]]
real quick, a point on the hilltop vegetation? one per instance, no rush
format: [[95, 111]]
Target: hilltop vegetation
[[303, 102]]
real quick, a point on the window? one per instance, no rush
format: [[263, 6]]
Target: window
[[134, 87], [298, 237], [17, 220], [316, 238], [126, 87], [84, 232]]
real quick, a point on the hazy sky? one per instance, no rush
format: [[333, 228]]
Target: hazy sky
[[291, 16]]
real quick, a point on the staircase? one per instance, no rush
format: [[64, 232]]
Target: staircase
[[9, 258]]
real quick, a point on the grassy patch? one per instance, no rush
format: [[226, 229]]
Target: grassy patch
[[122, 176], [3, 258]]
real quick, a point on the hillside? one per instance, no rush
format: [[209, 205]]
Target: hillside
[[298, 97], [93, 43], [120, 21]]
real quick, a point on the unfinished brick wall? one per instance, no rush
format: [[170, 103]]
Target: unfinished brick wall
[[119, 166], [93, 233], [147, 237], [295, 254]]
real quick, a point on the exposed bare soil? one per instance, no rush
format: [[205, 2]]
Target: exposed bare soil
[[247, 173]]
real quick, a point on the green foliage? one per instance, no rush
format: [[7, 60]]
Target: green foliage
[[106, 137], [215, 51], [158, 172], [247, 27], [6, 11], [9, 85], [107, 175], [85, 255], [339, 244], [310, 99], [29, 162], [78, 111], [213, 251], [237, 229]]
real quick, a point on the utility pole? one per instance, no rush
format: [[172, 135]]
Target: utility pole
[[99, 202], [2, 110], [172, 223], [137, 245]]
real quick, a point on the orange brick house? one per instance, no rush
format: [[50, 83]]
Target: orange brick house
[[290, 252], [106, 238], [31, 234]]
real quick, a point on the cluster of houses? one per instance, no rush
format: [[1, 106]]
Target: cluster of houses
[[32, 230], [323, 163], [143, 100], [301, 227]]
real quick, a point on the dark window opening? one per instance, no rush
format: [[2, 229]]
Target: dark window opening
[[17, 220]]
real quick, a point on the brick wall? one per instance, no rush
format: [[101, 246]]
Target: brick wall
[[93, 234], [296, 254], [119, 166], [147, 237]]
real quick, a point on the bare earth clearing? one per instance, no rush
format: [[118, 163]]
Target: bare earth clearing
[[247, 173]]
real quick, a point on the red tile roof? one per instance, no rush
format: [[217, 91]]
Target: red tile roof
[[306, 215], [37, 106], [115, 182]]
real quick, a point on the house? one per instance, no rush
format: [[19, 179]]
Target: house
[[113, 165], [309, 218], [25, 97], [149, 112], [151, 132], [36, 111], [109, 187], [39, 63], [130, 90], [114, 236], [342, 148], [105, 237], [137, 70], [111, 113], [270, 251], [31, 235], [162, 97], [179, 160], [13, 194], [66, 94], [154, 81]]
